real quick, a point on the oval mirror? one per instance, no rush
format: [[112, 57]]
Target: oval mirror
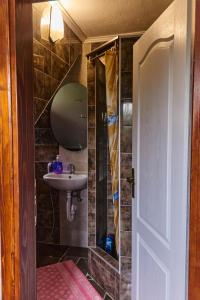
[[69, 116]]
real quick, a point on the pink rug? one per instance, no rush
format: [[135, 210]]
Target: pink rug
[[64, 281]]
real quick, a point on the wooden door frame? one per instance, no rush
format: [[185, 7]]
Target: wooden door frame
[[17, 156], [17, 151], [194, 240]]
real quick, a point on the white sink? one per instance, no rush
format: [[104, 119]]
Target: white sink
[[66, 182]]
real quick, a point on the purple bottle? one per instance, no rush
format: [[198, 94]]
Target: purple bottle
[[57, 165], [109, 244]]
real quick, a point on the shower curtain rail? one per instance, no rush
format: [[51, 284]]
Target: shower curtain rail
[[99, 51]]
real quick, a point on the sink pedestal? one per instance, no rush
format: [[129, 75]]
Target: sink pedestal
[[70, 207], [68, 183]]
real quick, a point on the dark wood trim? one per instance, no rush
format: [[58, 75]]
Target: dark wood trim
[[17, 151], [194, 252], [6, 159]]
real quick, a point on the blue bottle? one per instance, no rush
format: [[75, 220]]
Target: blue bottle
[[109, 244], [57, 165]]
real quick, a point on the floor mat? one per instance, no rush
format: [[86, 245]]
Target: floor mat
[[64, 281]]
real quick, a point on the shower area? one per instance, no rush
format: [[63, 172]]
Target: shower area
[[110, 75], [107, 151]]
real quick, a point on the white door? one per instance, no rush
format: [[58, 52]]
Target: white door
[[160, 157]]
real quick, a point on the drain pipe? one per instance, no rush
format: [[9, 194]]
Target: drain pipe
[[70, 207]]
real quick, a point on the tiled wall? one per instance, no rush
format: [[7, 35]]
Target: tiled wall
[[91, 155], [104, 269], [92, 161], [98, 264], [126, 74], [76, 233], [51, 64]]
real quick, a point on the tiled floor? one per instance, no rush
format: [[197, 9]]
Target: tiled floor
[[50, 254]]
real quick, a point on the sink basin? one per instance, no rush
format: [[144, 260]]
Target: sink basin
[[66, 182]]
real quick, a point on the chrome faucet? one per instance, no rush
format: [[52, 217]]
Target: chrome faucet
[[71, 168], [49, 166]]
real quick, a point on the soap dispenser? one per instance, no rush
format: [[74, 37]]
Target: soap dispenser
[[57, 165]]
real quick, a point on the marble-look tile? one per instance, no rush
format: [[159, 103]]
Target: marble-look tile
[[91, 138], [96, 286], [44, 203], [127, 54], [38, 62], [104, 275], [54, 86], [92, 196], [107, 297], [46, 260], [45, 234], [45, 217], [126, 238], [92, 222], [45, 53], [91, 240], [126, 218], [82, 264], [90, 71], [110, 284], [47, 87], [42, 187], [50, 250], [39, 105], [42, 85], [45, 136], [36, 24], [126, 264], [38, 78], [37, 48], [75, 259], [45, 153], [91, 159], [110, 224], [91, 93], [44, 120], [125, 289], [126, 85], [126, 165], [58, 68], [117, 286], [47, 200], [75, 48], [47, 60], [97, 254], [91, 116], [62, 49], [40, 169], [91, 206], [126, 139], [78, 251], [126, 192]]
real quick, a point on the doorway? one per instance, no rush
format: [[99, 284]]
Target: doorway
[[23, 94]]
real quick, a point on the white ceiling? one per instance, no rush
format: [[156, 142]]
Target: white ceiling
[[111, 17]]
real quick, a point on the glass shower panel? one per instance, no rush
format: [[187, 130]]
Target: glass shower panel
[[101, 154]]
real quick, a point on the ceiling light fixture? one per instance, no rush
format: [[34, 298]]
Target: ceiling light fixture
[[52, 24]]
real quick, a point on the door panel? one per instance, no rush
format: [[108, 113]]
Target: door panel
[[160, 151], [159, 275], [155, 125]]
